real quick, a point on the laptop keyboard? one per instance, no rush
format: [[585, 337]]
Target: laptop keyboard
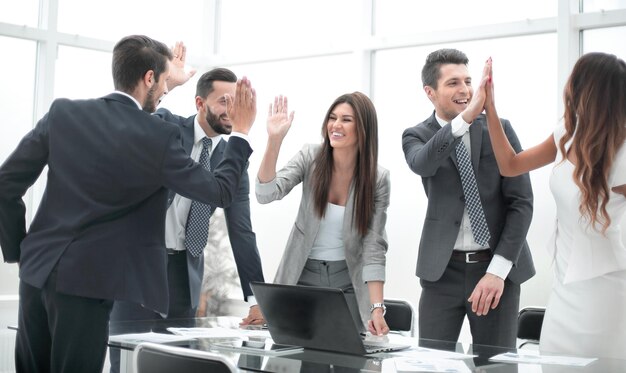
[[375, 348]]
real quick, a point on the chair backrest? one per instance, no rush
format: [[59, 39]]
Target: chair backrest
[[158, 358], [399, 316], [529, 323]]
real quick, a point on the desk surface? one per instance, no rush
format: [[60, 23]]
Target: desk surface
[[320, 361]]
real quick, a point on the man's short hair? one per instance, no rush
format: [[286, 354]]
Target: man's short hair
[[134, 56], [205, 83], [431, 72]]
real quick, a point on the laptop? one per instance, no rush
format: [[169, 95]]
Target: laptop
[[313, 317]]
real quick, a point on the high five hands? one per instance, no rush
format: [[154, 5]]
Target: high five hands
[[241, 109], [178, 75], [483, 95], [278, 121]]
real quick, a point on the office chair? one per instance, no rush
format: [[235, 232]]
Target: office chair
[[529, 323], [158, 358], [399, 316]]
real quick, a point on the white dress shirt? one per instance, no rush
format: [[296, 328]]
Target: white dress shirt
[[499, 265]]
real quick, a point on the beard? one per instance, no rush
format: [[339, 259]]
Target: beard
[[150, 103], [216, 124]]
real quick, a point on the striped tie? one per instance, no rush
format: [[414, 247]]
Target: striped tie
[[480, 230], [197, 228]]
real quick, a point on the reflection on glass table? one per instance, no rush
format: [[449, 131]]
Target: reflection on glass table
[[475, 357]]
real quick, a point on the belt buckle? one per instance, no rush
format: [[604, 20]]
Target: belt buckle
[[467, 258]]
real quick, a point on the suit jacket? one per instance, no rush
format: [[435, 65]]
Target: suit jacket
[[507, 202], [101, 218], [365, 256], [242, 238]]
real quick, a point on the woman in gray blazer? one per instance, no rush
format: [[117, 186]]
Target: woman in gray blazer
[[338, 239]]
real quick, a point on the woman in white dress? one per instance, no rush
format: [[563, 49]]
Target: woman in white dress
[[586, 313]]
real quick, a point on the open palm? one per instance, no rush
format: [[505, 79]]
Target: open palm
[[278, 121]]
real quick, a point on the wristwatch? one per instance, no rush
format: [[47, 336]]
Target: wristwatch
[[378, 305]]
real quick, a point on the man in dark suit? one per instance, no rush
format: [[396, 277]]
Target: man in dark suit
[[98, 235], [186, 270], [473, 254]]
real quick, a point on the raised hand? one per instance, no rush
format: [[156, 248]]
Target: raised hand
[[477, 104], [178, 75], [278, 121], [490, 101], [242, 108]]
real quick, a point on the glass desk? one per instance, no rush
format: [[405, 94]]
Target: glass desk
[[320, 361]]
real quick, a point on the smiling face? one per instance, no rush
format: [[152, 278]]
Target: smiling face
[[454, 91], [212, 114], [341, 126]]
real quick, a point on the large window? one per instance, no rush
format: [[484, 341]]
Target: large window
[[285, 27], [164, 20], [397, 17], [16, 111], [82, 73], [23, 12], [601, 5], [608, 40], [17, 93]]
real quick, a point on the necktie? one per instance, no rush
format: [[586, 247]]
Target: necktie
[[197, 228], [480, 230]]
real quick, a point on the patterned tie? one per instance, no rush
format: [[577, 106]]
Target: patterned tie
[[480, 230], [197, 228]]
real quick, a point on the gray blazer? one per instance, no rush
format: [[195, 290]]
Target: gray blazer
[[507, 201], [365, 256]]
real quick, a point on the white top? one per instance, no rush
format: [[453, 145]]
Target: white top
[[328, 244], [586, 253], [176, 218]]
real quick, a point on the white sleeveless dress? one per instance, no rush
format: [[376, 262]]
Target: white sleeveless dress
[[586, 313]]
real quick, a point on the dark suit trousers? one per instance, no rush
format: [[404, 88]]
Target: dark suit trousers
[[59, 332], [443, 306], [179, 304]]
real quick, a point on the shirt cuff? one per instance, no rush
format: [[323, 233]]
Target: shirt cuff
[[251, 301], [459, 126], [500, 266], [242, 135]]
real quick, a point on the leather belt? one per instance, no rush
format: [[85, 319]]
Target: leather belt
[[174, 252], [471, 256]]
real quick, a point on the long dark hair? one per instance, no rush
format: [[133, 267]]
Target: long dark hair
[[595, 111], [366, 166]]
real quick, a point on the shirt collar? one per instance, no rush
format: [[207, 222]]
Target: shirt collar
[[131, 97], [440, 121]]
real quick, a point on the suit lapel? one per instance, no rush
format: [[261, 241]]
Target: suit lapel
[[434, 125], [218, 154], [187, 130]]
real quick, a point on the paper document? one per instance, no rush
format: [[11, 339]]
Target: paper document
[[410, 364], [431, 353], [147, 337], [536, 358], [219, 332]]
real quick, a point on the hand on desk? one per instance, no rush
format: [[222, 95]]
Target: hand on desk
[[255, 317]]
